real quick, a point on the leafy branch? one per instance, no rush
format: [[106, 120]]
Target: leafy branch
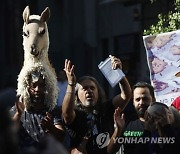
[[166, 23]]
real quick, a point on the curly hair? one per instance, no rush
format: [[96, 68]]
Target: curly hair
[[51, 88]]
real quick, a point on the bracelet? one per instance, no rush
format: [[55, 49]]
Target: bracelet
[[71, 84], [70, 92]]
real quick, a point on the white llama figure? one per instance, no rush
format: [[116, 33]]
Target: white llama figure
[[36, 45]]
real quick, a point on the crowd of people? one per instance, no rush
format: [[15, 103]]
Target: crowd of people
[[85, 121]]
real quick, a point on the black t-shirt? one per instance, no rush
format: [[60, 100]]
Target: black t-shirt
[[136, 140], [103, 122], [133, 130]]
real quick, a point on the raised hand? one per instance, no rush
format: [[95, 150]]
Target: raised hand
[[116, 62], [20, 106], [47, 123], [69, 69], [119, 119], [19, 109]]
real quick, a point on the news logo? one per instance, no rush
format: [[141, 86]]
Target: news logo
[[103, 140]]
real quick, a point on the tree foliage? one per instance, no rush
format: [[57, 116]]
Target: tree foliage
[[166, 22]]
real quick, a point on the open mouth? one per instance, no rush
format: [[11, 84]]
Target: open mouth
[[89, 97]]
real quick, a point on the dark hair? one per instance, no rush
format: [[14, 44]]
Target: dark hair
[[160, 108], [157, 108], [101, 93], [142, 84], [159, 104]]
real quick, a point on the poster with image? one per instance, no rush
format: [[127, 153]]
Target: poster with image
[[163, 56]]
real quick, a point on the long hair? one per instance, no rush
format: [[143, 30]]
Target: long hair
[[101, 93]]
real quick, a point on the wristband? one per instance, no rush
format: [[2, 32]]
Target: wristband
[[71, 84], [70, 92]]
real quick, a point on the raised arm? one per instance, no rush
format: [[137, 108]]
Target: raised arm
[[122, 99], [119, 121], [19, 104], [68, 112]]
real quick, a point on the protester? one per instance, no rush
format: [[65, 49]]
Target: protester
[[154, 120], [34, 115], [162, 123], [163, 115], [88, 115], [143, 96]]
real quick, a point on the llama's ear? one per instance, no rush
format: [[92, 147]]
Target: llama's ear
[[26, 14], [45, 15]]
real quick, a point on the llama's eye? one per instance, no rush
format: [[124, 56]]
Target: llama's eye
[[42, 32], [26, 34]]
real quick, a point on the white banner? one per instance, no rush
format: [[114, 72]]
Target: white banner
[[163, 56]]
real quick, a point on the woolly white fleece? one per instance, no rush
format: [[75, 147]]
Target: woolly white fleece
[[36, 39]]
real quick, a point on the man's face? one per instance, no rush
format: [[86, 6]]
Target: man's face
[[88, 93], [36, 90], [141, 100]]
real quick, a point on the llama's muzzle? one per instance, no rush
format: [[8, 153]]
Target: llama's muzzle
[[34, 51]]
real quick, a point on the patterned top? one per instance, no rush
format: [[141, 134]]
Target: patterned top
[[30, 131]]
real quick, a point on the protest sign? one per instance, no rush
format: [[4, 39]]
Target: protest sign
[[163, 56]]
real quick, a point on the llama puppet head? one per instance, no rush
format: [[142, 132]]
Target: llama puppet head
[[36, 44], [35, 34]]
